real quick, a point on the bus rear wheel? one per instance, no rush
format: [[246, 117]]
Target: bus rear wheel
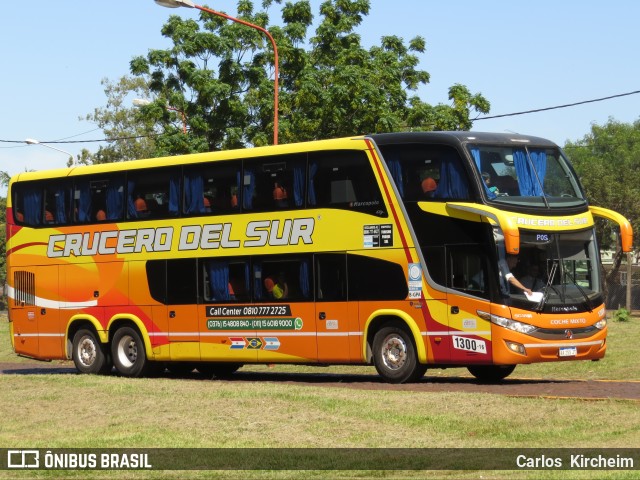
[[89, 356], [129, 355], [394, 356], [491, 373]]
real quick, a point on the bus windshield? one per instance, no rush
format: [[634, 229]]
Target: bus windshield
[[527, 176], [561, 267]]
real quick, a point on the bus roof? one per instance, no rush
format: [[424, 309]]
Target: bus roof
[[462, 137], [455, 138], [186, 159]]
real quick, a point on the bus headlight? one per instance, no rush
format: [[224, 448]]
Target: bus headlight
[[512, 324], [601, 324]]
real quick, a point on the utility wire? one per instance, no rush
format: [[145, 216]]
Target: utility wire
[[559, 106], [635, 92]]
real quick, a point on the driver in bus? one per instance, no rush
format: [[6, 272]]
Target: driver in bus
[[507, 278]]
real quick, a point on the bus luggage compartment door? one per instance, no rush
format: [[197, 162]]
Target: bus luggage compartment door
[[23, 313]]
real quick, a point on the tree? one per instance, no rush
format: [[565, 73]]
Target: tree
[[607, 161], [120, 121], [218, 75], [4, 182]]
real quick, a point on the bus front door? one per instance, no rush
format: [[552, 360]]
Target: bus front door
[[468, 294], [335, 318]]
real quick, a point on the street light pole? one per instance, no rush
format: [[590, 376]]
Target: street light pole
[[190, 4], [32, 141]]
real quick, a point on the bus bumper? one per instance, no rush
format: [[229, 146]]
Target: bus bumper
[[511, 348]]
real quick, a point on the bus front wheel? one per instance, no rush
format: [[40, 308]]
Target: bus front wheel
[[129, 356], [88, 354], [491, 373], [394, 356]]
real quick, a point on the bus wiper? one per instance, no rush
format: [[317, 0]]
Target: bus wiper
[[545, 292], [581, 290]]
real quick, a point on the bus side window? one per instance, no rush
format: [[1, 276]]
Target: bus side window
[[225, 280], [154, 196], [374, 279], [274, 183], [29, 204], [282, 278], [216, 183], [344, 179]]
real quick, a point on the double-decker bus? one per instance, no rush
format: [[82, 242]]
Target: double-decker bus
[[385, 249]]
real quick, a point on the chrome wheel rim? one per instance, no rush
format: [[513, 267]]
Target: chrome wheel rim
[[87, 351], [394, 352], [127, 351]]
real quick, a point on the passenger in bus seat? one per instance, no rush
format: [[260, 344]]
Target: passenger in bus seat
[[101, 216], [487, 180], [140, 204], [48, 216], [278, 288], [280, 195], [429, 187]]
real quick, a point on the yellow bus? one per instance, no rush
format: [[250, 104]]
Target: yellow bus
[[406, 251]]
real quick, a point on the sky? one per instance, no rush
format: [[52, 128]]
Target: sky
[[520, 55]]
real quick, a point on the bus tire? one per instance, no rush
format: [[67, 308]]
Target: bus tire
[[89, 355], [129, 355], [491, 373], [218, 370], [394, 356]]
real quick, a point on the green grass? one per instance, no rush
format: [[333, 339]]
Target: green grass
[[86, 411]]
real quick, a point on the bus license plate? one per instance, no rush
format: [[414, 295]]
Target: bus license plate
[[568, 351], [469, 344]]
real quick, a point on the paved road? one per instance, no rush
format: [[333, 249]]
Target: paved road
[[549, 388]]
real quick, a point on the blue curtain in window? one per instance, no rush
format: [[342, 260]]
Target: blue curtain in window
[[84, 202], [193, 193], [61, 205], [218, 272], [131, 206], [115, 199], [539, 162], [395, 167], [475, 153], [453, 182], [298, 184], [527, 181], [248, 189], [313, 169], [305, 288], [174, 195], [33, 206]]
